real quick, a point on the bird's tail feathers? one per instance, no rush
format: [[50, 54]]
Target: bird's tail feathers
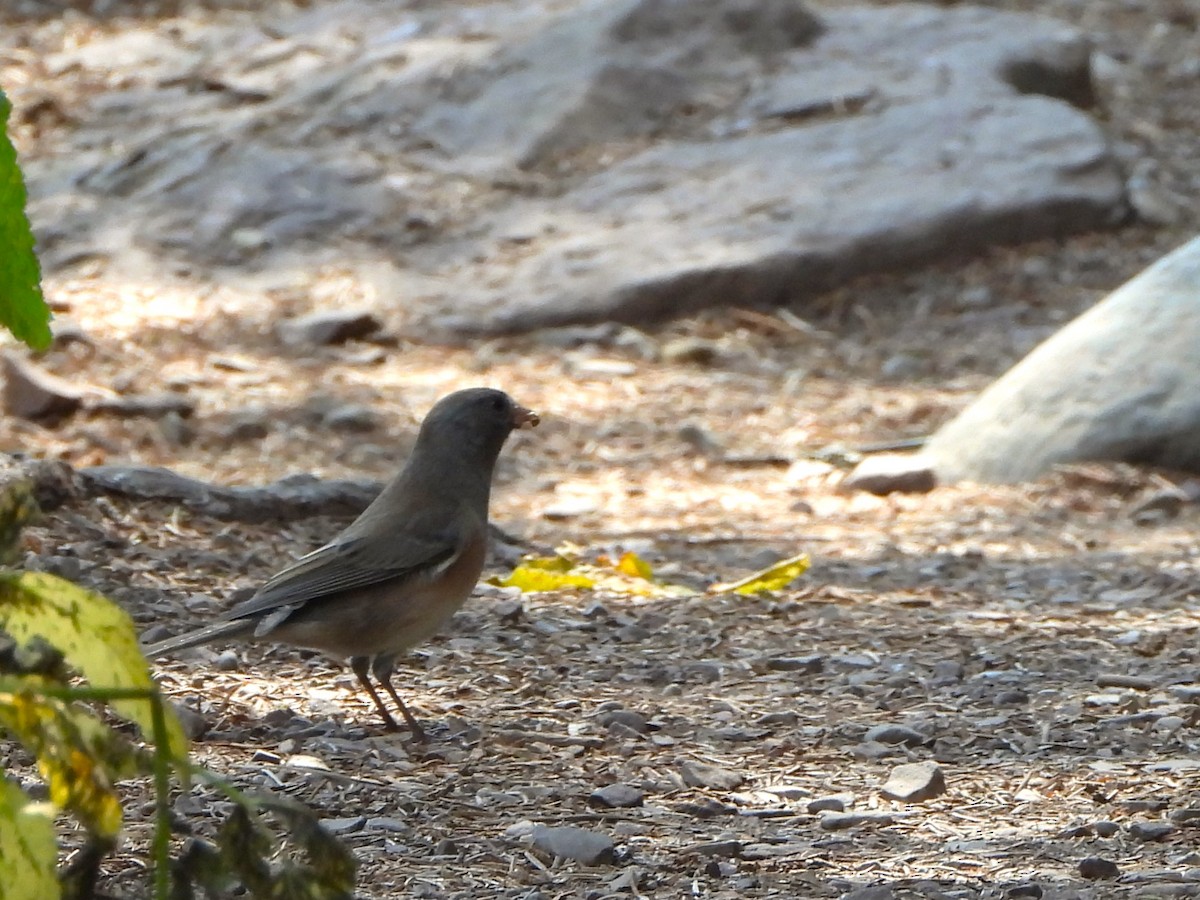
[[233, 629]]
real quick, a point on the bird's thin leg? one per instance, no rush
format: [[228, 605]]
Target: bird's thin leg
[[382, 669], [361, 665]]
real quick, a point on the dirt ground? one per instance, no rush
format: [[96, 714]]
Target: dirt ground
[[990, 620]]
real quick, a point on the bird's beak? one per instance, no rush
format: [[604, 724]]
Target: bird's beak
[[525, 418]]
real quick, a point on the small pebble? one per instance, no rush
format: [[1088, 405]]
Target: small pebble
[[344, 825], [809, 665], [1133, 682], [568, 842], [1150, 831], [915, 783], [727, 848], [835, 821], [826, 804], [1094, 868], [616, 796], [1028, 891], [896, 734], [1189, 816], [628, 718], [697, 774]]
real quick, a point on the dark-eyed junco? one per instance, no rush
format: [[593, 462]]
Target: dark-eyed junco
[[403, 567]]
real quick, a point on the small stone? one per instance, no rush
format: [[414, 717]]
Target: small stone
[[946, 672], [1011, 698], [628, 718], [888, 473], [388, 824], [1188, 817], [68, 567], [445, 847], [915, 783], [1095, 868], [703, 670], [872, 750], [870, 892], [697, 774], [727, 848], [509, 612], [156, 633], [345, 825], [700, 440], [836, 821], [247, 425], [1133, 682], [227, 661], [327, 327], [1150, 831], [1145, 806], [1029, 891], [616, 796], [568, 842], [809, 665], [854, 661], [787, 717], [706, 808], [1170, 724], [1105, 829], [896, 734], [789, 791], [353, 418], [827, 804]]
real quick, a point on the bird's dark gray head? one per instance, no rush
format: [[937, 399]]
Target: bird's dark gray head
[[475, 421]]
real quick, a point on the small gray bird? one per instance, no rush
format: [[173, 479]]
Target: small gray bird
[[403, 567]]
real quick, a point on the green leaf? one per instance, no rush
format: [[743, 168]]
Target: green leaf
[[95, 636], [28, 851], [23, 309]]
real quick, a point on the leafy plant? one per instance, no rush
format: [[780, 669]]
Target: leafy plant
[[67, 657], [23, 309]]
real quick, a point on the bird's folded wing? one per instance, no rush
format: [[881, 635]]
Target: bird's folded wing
[[355, 562]]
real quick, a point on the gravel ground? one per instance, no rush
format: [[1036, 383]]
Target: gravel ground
[[1038, 640]]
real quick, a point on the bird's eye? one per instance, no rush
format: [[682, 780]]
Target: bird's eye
[[498, 404]]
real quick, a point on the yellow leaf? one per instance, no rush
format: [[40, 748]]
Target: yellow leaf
[[531, 577], [629, 575], [632, 564], [28, 852], [773, 578], [94, 635], [77, 755]]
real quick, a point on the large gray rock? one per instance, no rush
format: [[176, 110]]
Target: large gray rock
[[500, 167], [1120, 382]]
